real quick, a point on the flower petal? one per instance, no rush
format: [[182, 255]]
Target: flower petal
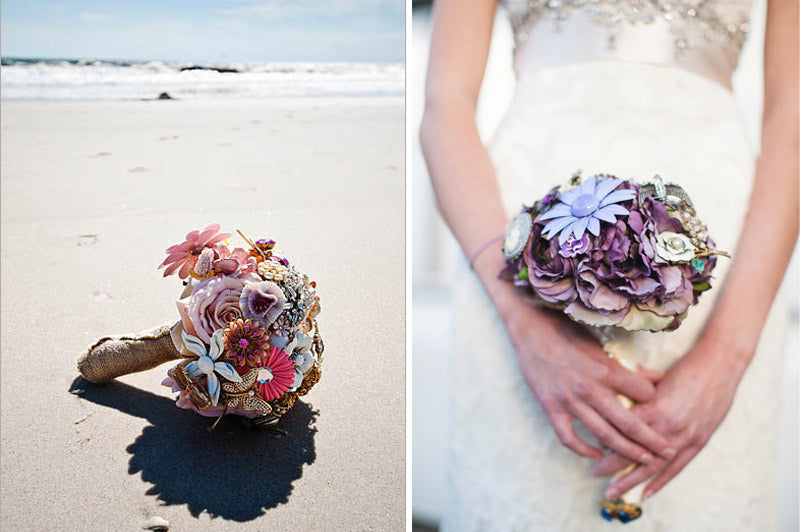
[[304, 342], [217, 345], [569, 196], [227, 371], [608, 212], [183, 247], [290, 347], [566, 232], [643, 320], [594, 226], [298, 379], [172, 268], [580, 226], [618, 196], [578, 312], [186, 269], [587, 187], [213, 388], [557, 211], [207, 234], [217, 239], [554, 226], [605, 186], [174, 257], [193, 344], [192, 370], [604, 215], [279, 342]]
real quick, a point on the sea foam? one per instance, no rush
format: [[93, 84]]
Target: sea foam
[[72, 79]]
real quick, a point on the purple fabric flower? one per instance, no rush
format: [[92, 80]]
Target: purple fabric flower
[[549, 274], [574, 246], [262, 301]]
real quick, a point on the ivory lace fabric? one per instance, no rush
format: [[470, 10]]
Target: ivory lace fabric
[[507, 469]]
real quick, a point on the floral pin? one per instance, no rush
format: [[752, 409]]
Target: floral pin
[[207, 363], [584, 207]]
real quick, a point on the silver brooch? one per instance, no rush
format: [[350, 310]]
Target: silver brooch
[[660, 191], [517, 236]]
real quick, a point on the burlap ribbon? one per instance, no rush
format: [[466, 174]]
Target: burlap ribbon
[[113, 356]]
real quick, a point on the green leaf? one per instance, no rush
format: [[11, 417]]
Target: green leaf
[[523, 273], [701, 287]]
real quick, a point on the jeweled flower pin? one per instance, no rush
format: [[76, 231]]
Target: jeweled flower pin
[[584, 207], [207, 365], [247, 333]]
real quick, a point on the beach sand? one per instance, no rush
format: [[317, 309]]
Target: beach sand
[[92, 194]]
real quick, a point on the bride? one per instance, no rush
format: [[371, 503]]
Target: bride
[[633, 88]]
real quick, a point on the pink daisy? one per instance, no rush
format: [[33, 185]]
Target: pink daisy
[[182, 257], [276, 375]]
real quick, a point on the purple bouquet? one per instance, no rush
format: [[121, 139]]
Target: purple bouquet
[[610, 252]]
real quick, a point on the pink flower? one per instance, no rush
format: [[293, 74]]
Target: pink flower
[[229, 262], [182, 257], [213, 304], [276, 375]]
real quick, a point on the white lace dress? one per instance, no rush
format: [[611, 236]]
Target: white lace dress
[[631, 88]]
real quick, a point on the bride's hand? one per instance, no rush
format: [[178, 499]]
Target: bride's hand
[[689, 404], [573, 378]]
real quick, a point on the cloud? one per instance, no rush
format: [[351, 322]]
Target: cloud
[[285, 8], [96, 16]]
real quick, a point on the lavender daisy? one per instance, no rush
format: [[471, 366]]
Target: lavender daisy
[[584, 207]]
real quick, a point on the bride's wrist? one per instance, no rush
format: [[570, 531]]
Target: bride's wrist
[[722, 350]]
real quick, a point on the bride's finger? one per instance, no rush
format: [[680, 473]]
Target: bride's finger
[[634, 478], [632, 426], [608, 435], [672, 469], [628, 383], [562, 425], [610, 465], [652, 376]]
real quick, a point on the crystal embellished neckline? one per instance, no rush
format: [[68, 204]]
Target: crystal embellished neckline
[[690, 20]]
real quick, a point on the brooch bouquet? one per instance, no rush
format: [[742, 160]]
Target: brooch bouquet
[[247, 339], [613, 254]]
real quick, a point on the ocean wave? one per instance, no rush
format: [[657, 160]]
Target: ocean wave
[[80, 79]]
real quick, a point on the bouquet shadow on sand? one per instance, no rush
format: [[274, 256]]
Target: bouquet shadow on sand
[[235, 472]]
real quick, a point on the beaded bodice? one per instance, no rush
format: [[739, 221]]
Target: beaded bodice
[[702, 35]]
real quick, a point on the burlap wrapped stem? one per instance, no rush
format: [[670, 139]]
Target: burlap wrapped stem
[[113, 356]]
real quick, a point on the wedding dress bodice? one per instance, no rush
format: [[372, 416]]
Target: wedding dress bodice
[[702, 36]]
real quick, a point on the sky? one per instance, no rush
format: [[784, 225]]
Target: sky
[[205, 30]]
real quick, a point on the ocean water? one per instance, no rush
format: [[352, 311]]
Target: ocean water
[[79, 79]]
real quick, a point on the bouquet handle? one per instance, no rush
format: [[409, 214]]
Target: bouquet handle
[[113, 356], [619, 345]]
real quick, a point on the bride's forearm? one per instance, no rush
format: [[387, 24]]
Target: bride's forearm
[[465, 185], [461, 172], [766, 243]]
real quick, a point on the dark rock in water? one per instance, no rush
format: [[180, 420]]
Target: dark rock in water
[[221, 70], [165, 96]]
